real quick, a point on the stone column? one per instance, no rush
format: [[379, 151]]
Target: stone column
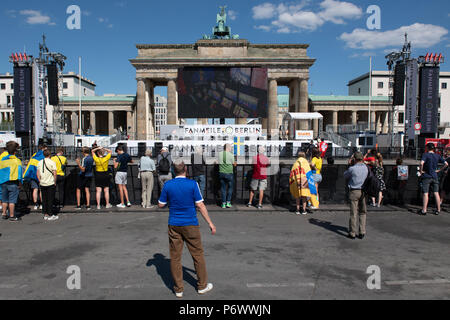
[[111, 123], [385, 122], [316, 127], [93, 123], [335, 120], [355, 117], [264, 124], [373, 119], [304, 100], [172, 112], [141, 107], [378, 123], [74, 122], [131, 130], [272, 115]]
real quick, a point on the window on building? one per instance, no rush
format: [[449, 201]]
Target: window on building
[[2, 86], [8, 100], [65, 85], [12, 86], [401, 118], [359, 90], [380, 85], [444, 85]]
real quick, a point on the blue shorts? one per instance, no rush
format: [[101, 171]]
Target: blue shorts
[[317, 178], [10, 193], [34, 184]]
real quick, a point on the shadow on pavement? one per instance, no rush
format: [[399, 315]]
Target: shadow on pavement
[[342, 231], [162, 265]]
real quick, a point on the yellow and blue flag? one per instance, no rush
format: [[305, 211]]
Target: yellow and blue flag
[[302, 182], [239, 146], [31, 170], [10, 169]]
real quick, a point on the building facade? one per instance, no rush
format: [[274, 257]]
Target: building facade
[[160, 113]]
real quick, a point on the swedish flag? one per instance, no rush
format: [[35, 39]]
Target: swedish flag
[[239, 146], [10, 169], [31, 170]]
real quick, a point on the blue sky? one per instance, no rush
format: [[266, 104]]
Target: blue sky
[[336, 31]]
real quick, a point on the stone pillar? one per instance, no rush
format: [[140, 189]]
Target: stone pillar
[[172, 112], [316, 127], [141, 107], [385, 122], [272, 116], [355, 117], [74, 122], [372, 121], [335, 120], [131, 130], [264, 124], [304, 101], [111, 123], [150, 96], [93, 123], [378, 123]]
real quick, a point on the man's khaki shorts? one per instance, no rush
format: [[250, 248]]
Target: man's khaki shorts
[[258, 185]]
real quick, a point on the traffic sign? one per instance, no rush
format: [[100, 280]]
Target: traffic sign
[[418, 127]]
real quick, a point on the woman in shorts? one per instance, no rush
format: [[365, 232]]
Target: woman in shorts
[[102, 178]]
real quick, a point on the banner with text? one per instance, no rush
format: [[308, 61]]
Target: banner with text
[[39, 102], [22, 100], [223, 131], [429, 99], [412, 73]]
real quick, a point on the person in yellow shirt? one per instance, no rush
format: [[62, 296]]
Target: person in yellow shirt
[[102, 177], [316, 167], [3, 154], [61, 163]]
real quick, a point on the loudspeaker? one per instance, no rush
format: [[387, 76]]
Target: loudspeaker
[[399, 84], [52, 75], [289, 150], [142, 148], [157, 149]]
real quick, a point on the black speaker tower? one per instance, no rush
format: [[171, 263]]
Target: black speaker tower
[[52, 74]]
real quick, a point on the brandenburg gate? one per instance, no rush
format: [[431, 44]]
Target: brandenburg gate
[[158, 65]]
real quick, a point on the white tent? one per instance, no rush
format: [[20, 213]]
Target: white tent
[[291, 122]]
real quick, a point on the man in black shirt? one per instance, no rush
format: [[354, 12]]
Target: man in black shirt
[[198, 168]]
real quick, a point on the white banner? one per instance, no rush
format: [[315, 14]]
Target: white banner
[[304, 135], [223, 131], [39, 101]]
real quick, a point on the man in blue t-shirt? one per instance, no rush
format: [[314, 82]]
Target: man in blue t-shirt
[[184, 198], [121, 165], [429, 172], [84, 179]]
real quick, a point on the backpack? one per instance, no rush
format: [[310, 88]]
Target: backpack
[[372, 185], [164, 165]]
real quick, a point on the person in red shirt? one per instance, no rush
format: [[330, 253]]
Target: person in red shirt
[[259, 178], [323, 147]]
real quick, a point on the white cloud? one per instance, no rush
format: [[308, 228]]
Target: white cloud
[[336, 11], [420, 35], [36, 17], [264, 11], [290, 17], [264, 28], [232, 15]]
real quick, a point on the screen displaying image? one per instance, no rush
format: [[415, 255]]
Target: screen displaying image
[[215, 93]]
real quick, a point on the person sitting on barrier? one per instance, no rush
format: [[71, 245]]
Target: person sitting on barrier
[[259, 178], [121, 165], [198, 168], [164, 165], [227, 164], [101, 158], [61, 163], [147, 169]]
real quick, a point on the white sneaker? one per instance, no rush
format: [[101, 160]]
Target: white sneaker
[[150, 207], [99, 207], [36, 207], [121, 206], [46, 218], [129, 204], [109, 206], [179, 295], [208, 288], [53, 218], [40, 207]]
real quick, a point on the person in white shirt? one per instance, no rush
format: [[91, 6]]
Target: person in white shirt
[[47, 177]]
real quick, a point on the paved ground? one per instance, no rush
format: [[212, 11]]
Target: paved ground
[[267, 255]]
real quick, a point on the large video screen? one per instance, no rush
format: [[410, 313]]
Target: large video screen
[[222, 93]]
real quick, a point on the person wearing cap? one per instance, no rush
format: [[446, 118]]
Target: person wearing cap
[[164, 165], [356, 176]]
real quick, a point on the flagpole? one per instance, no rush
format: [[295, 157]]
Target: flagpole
[[79, 93], [370, 95]]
